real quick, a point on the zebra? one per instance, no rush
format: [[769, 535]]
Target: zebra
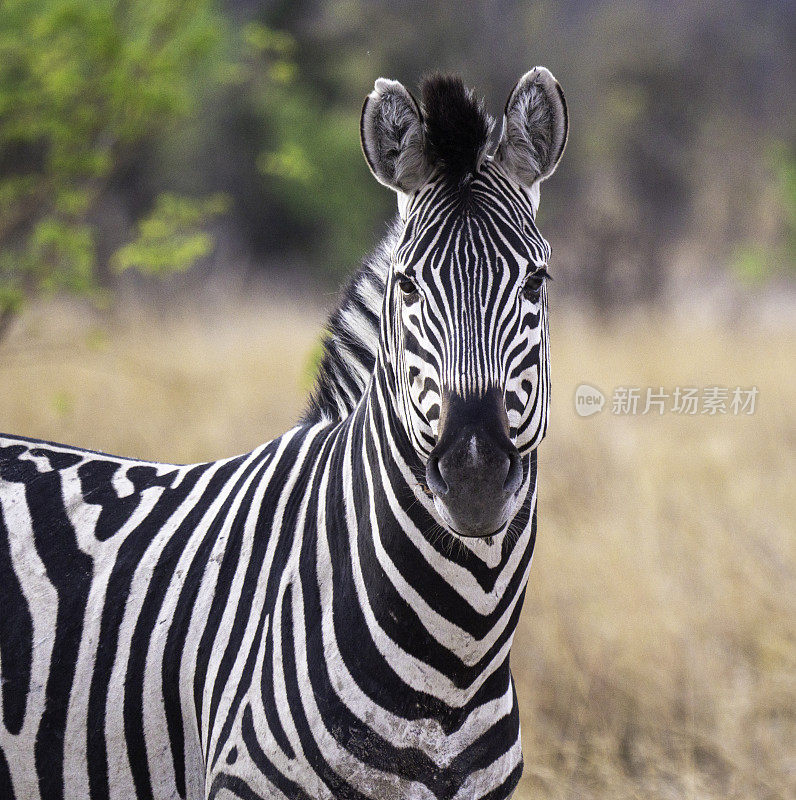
[[331, 614]]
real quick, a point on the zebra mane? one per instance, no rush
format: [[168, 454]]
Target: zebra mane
[[351, 339]]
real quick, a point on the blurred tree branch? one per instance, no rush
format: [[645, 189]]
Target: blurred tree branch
[[83, 84], [121, 119]]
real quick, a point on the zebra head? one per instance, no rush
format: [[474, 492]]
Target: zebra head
[[464, 321]]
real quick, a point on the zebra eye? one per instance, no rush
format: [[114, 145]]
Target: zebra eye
[[532, 288], [408, 287]]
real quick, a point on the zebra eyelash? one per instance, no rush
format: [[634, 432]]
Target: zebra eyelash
[[407, 288], [532, 285], [541, 273]]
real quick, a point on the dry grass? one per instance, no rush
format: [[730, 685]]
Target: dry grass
[[657, 655], [657, 652], [183, 386]]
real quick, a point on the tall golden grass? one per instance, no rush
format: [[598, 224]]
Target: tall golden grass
[[656, 657]]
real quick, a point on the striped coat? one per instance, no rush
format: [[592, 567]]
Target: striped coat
[[300, 621]]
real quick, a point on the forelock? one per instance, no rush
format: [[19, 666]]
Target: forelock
[[456, 126]]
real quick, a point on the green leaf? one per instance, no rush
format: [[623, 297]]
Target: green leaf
[[171, 238]]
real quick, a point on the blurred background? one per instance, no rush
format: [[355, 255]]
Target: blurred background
[[182, 193]]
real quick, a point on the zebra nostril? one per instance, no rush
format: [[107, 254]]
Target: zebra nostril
[[434, 478], [514, 478]]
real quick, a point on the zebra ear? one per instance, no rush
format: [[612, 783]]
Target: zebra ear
[[391, 131], [535, 127]]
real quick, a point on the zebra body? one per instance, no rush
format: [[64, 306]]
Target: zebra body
[[302, 621], [141, 650]]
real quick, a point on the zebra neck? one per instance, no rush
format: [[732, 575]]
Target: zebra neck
[[451, 603]]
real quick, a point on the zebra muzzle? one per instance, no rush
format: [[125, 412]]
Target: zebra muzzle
[[475, 471]]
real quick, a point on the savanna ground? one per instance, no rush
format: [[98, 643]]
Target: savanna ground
[[656, 657]]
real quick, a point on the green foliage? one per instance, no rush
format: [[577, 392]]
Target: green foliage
[[63, 403], [315, 167], [118, 116], [310, 159], [752, 263], [773, 252], [83, 84], [312, 363], [171, 238], [783, 161]]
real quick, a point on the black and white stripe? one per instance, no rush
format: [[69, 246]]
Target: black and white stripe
[[299, 621]]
